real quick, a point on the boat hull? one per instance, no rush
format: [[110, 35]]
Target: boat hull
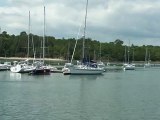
[[40, 72], [4, 68], [21, 69], [83, 71], [129, 67]]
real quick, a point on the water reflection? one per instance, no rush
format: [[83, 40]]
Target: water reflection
[[84, 77], [15, 76], [86, 93]]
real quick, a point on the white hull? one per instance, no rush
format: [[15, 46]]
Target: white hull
[[21, 69], [82, 70], [147, 65], [5, 66], [100, 64], [129, 67]]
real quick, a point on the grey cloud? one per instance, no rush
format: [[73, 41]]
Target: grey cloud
[[107, 20]]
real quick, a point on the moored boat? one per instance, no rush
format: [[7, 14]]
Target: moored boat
[[85, 67], [128, 67], [5, 66], [22, 67]]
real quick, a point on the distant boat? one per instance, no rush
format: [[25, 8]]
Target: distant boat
[[85, 67], [53, 69], [100, 63], [5, 66], [147, 60], [23, 66], [127, 65]]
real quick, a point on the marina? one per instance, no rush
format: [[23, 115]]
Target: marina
[[79, 60]]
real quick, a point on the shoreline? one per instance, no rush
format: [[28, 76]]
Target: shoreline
[[62, 60], [20, 58]]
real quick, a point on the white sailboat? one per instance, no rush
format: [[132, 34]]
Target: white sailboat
[[127, 65], [82, 68], [23, 66], [100, 63], [5, 66], [147, 59]]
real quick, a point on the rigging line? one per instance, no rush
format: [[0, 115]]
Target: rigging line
[[76, 42]]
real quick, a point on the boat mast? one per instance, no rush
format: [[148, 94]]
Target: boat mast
[[29, 26], [68, 52], [44, 36], [128, 52], [146, 55], [125, 55], [133, 56], [100, 52], [84, 34]]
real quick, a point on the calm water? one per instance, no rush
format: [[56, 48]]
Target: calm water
[[129, 95]]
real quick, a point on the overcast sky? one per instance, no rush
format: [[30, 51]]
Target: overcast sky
[[137, 21]]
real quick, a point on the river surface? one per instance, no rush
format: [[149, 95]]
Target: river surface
[[121, 95]]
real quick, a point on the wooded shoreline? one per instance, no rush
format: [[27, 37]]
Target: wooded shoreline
[[22, 58], [62, 60], [16, 46]]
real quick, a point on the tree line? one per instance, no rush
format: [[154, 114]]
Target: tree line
[[17, 46]]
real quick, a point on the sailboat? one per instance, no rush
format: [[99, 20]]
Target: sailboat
[[127, 65], [5, 66], [40, 68], [84, 67], [23, 66], [147, 59], [100, 63]]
